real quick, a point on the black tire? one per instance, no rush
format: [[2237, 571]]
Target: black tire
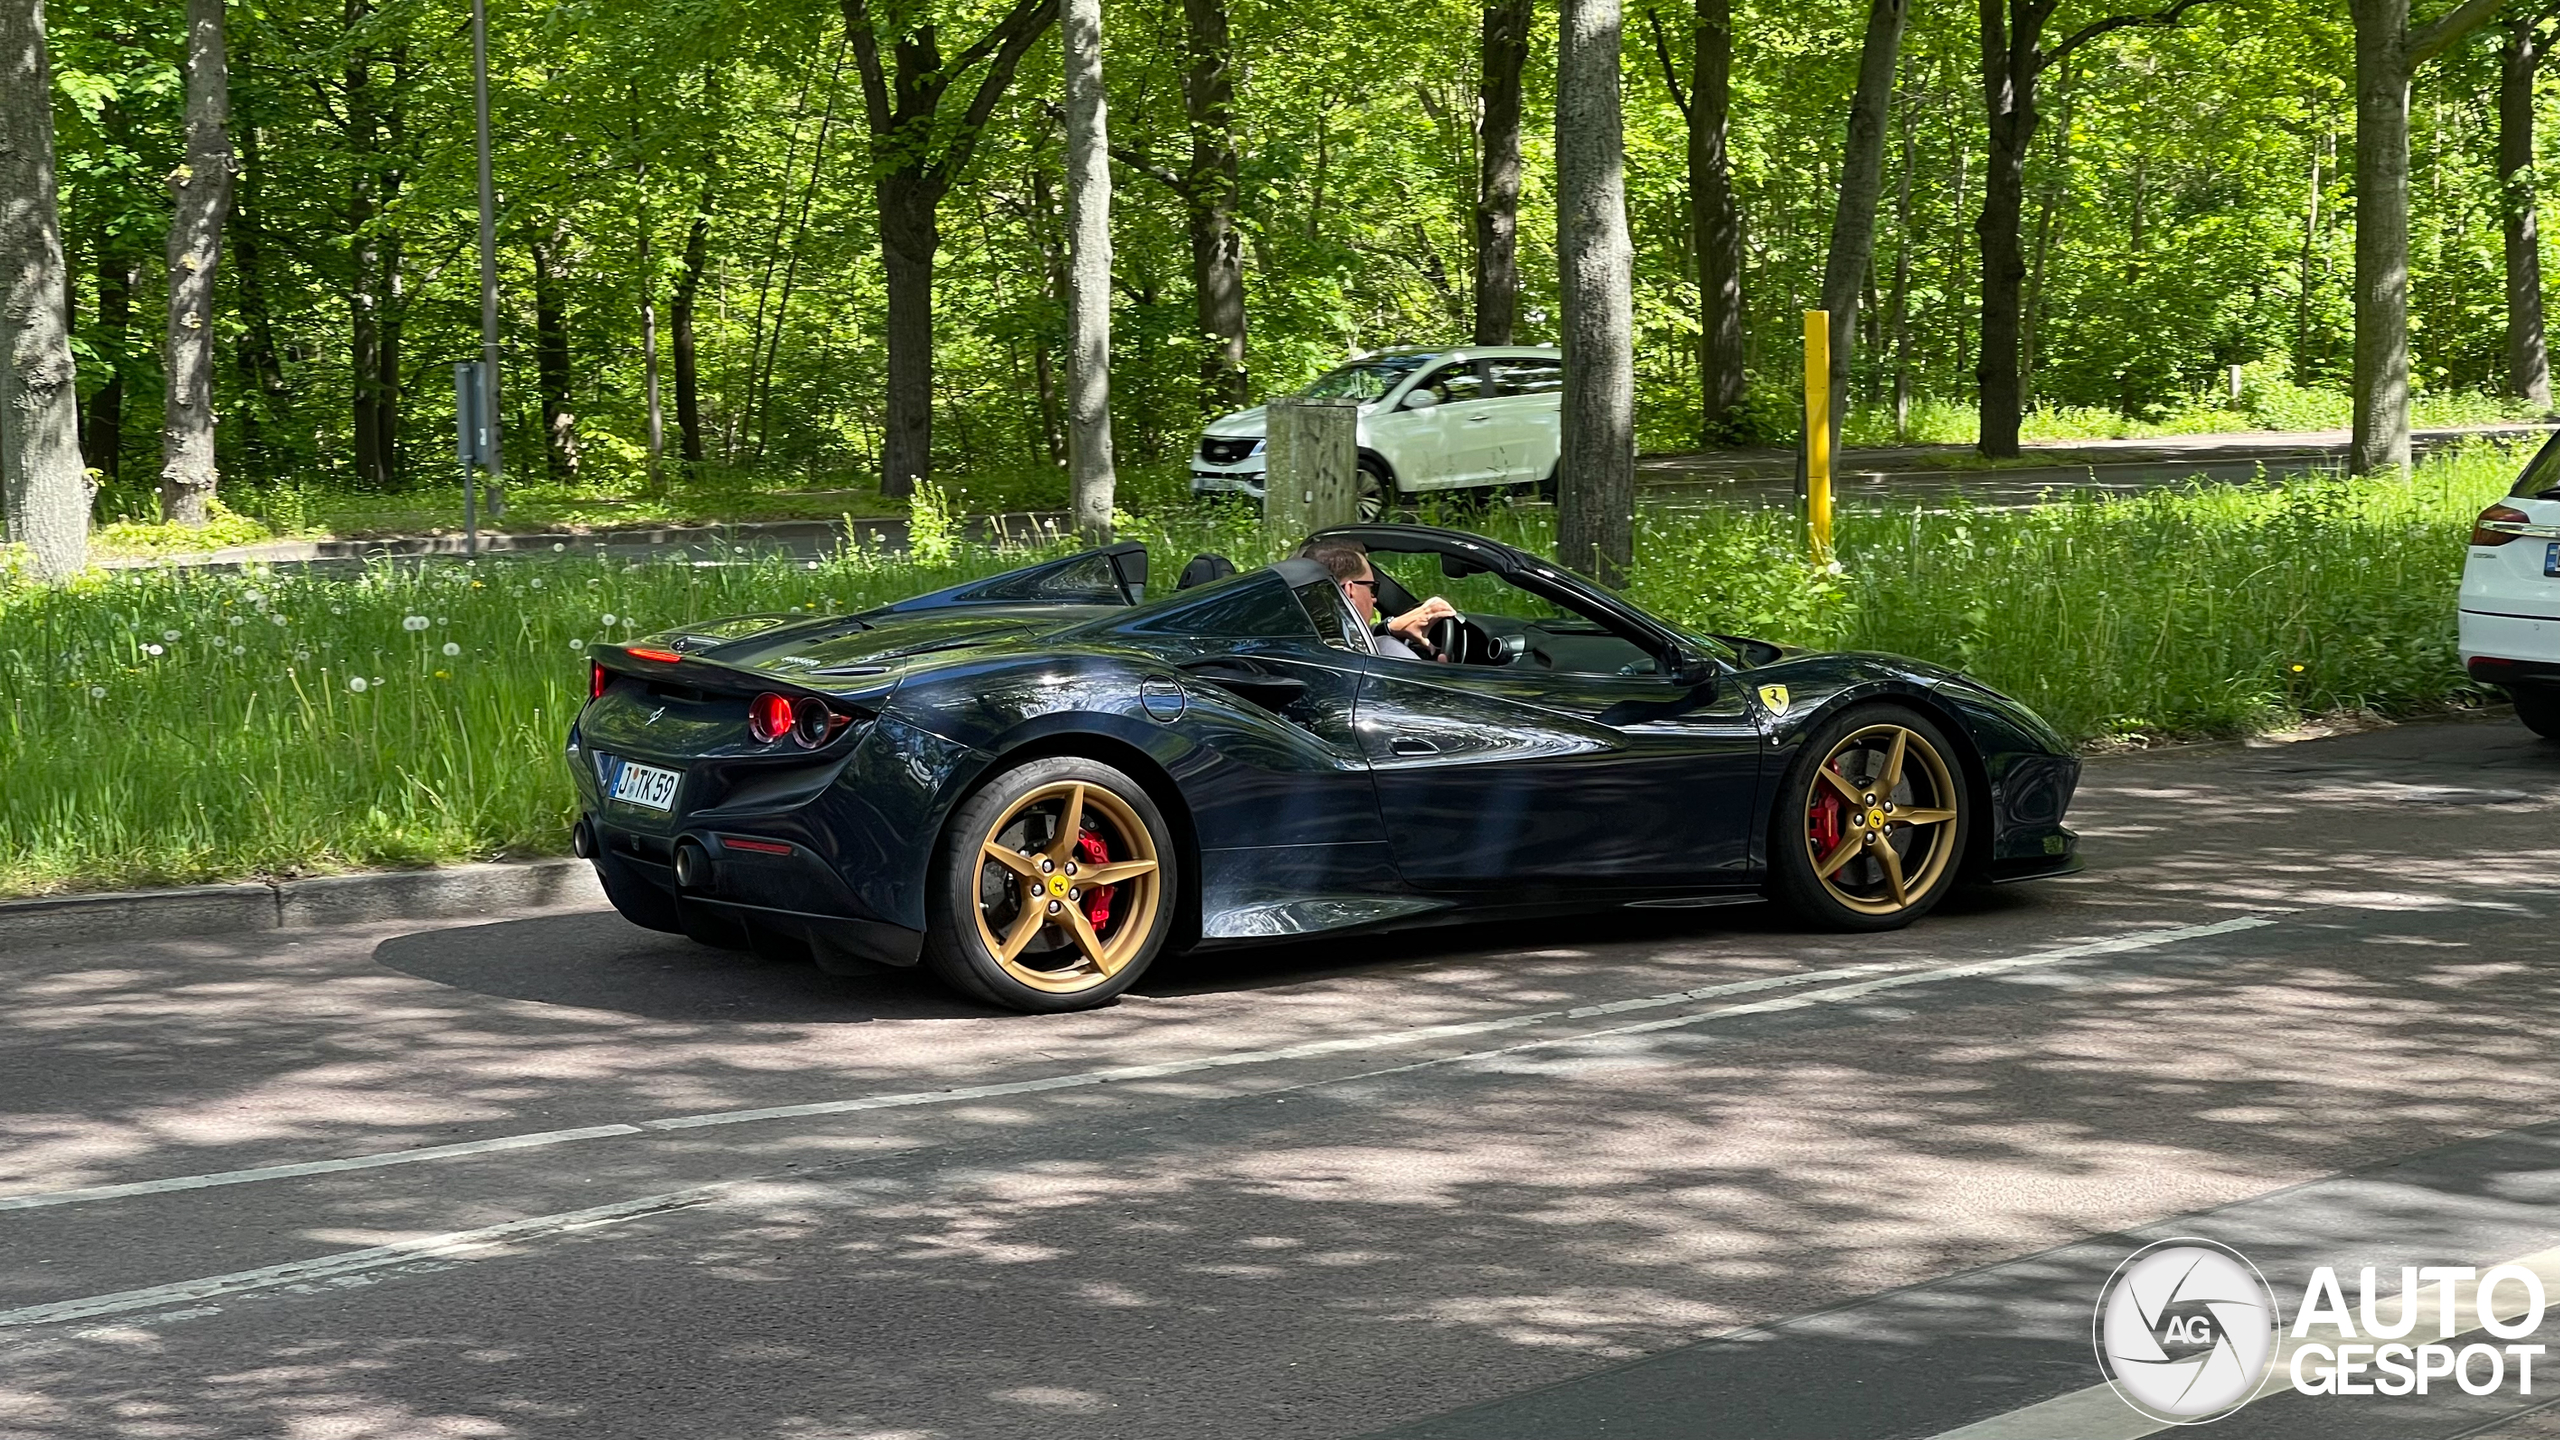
[[1060, 958], [1379, 497], [640, 902], [1865, 891], [2539, 708]]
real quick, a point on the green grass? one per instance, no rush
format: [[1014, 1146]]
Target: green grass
[[170, 725]]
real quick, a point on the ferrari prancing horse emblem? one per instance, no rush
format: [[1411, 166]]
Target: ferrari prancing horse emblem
[[1775, 697]]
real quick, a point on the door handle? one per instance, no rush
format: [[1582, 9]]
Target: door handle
[[1411, 745], [1479, 419]]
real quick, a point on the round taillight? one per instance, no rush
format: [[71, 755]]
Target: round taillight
[[769, 717], [2481, 534], [812, 722]]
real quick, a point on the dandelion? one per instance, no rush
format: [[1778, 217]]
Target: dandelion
[[451, 649], [576, 643], [357, 684], [97, 692], [444, 674], [239, 649], [234, 619], [276, 619], [151, 650], [253, 597], [557, 547], [608, 617], [537, 580], [2297, 669], [414, 623], [169, 635], [301, 654], [439, 622], [377, 680]]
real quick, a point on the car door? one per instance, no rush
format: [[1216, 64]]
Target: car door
[[1577, 762], [1444, 444], [1528, 396], [1488, 779]]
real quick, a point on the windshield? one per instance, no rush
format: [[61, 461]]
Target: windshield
[[1368, 379]]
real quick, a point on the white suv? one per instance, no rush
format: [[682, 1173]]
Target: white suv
[[1430, 419], [2511, 594]]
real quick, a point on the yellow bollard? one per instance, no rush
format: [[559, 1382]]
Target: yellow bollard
[[1817, 430]]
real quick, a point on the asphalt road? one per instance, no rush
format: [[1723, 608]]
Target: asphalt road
[[1649, 1175]]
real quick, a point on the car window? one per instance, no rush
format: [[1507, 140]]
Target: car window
[[2541, 478], [1527, 375], [1332, 616], [1368, 379], [1534, 632], [1457, 384]]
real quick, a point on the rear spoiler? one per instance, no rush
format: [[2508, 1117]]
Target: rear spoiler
[[1112, 575]]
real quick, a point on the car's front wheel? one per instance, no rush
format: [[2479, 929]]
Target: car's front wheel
[[2539, 708], [1377, 492], [1871, 822], [1055, 888]]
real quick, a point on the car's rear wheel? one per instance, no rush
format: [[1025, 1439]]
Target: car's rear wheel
[[1055, 887], [1377, 492], [2539, 708], [1871, 823]]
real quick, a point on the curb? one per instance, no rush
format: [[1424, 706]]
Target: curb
[[455, 893]]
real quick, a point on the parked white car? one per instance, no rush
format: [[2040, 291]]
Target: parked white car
[[2511, 594], [1431, 418]]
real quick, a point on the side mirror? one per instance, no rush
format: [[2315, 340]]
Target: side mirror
[[1422, 399], [1691, 667]]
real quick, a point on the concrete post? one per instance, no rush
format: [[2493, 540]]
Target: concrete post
[[1313, 455]]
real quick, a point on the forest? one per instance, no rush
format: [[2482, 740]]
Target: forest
[[734, 209]]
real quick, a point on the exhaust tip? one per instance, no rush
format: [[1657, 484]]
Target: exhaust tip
[[693, 865], [582, 840]]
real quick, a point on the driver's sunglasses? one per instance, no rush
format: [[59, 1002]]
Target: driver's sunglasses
[[1372, 584]]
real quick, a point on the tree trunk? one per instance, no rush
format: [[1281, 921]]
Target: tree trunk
[[916, 153], [1497, 279], [551, 354], [1089, 478], [1902, 290], [910, 235], [1715, 221], [41, 479], [201, 190], [2387, 53], [1217, 246], [2009, 65], [117, 275], [680, 309], [2528, 363], [1853, 223], [2381, 382], [1595, 264]]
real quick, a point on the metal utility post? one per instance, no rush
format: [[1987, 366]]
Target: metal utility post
[[470, 438], [489, 427], [1817, 430]]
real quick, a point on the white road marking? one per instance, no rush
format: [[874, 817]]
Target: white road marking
[[2098, 1413], [1895, 973], [463, 1244]]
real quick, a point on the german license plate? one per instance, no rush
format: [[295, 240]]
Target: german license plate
[[646, 786], [2551, 560]]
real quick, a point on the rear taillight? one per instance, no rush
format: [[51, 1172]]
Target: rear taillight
[[812, 722], [769, 717], [663, 657], [595, 681], [2481, 534]]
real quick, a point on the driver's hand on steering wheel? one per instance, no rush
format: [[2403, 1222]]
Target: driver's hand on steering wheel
[[1414, 624]]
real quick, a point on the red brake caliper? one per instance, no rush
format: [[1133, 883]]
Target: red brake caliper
[[1097, 901], [1825, 818]]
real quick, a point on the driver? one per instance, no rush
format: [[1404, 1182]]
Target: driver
[[1403, 637]]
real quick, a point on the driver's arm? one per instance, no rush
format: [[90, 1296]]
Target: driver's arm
[[1412, 623]]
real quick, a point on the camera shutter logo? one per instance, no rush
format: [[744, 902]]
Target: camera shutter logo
[[2185, 1330]]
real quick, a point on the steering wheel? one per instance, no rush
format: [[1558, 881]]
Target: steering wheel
[[1448, 636]]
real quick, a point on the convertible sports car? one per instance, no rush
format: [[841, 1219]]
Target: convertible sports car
[[1037, 783]]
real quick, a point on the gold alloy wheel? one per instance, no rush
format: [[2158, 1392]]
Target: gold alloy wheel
[[1880, 822], [1036, 872]]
